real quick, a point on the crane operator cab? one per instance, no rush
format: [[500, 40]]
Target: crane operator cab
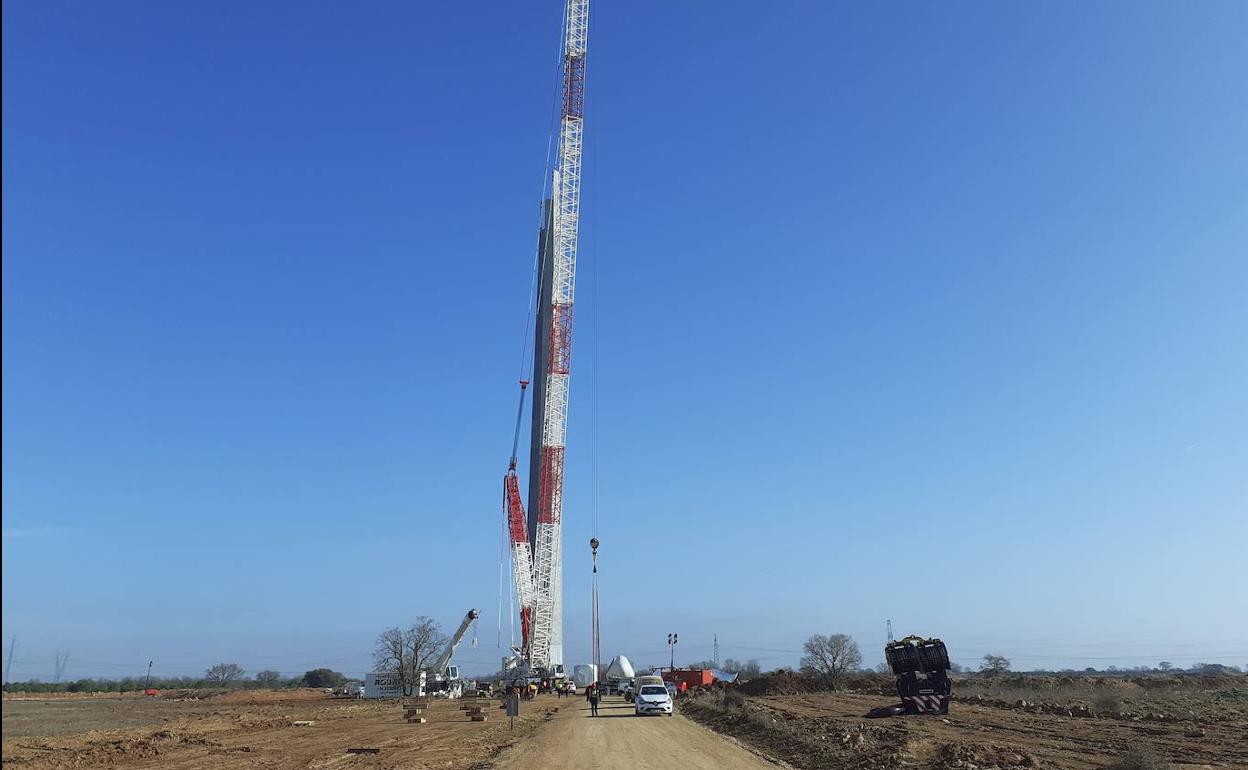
[[922, 670]]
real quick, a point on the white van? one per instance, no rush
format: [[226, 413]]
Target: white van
[[630, 692], [652, 699]]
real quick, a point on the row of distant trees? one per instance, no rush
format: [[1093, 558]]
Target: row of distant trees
[[405, 651], [833, 656], [748, 669], [995, 665], [227, 675]]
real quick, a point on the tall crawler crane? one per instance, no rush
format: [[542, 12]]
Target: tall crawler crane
[[537, 539]]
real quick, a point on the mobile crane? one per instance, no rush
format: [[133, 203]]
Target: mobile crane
[[442, 678], [537, 534]]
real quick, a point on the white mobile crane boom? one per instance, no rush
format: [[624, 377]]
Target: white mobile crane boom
[[444, 676], [440, 665]]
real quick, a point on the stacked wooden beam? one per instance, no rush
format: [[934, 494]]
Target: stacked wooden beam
[[414, 710]]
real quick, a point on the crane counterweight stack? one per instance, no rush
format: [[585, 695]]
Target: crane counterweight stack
[[537, 540]]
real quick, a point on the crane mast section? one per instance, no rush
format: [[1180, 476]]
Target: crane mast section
[[547, 641]]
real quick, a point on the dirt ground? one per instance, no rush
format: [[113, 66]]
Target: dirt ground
[[251, 730], [573, 740], [254, 729], [828, 730]]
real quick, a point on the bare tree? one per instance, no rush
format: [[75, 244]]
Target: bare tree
[[831, 656], [268, 679], [748, 669], [224, 674], [406, 652], [425, 641], [391, 655], [995, 665]]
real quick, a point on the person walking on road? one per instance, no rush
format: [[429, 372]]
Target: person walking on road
[[593, 700]]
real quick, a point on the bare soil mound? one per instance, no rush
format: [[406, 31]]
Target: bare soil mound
[[827, 729]]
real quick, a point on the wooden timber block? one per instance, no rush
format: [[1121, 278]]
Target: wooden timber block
[[363, 751], [480, 718], [416, 720]]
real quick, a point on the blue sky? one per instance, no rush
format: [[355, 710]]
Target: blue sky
[[930, 312]]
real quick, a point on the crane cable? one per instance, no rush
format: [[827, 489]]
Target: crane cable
[[596, 630], [535, 287]]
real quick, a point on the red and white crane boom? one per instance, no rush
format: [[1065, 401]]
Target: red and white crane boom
[[538, 562]]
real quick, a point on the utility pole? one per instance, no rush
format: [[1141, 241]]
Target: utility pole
[[671, 645], [8, 667], [62, 659], [147, 685]]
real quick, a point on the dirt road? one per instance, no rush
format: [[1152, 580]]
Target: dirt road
[[617, 740]]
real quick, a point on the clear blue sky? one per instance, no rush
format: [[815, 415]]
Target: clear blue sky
[[931, 312]]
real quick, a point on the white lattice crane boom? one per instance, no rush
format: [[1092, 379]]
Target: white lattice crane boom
[[538, 563]]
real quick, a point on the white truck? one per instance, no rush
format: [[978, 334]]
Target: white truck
[[619, 674], [441, 678]]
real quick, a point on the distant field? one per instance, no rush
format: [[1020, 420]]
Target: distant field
[[243, 730], [64, 716]]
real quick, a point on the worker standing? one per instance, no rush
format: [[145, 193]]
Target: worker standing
[[593, 700]]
